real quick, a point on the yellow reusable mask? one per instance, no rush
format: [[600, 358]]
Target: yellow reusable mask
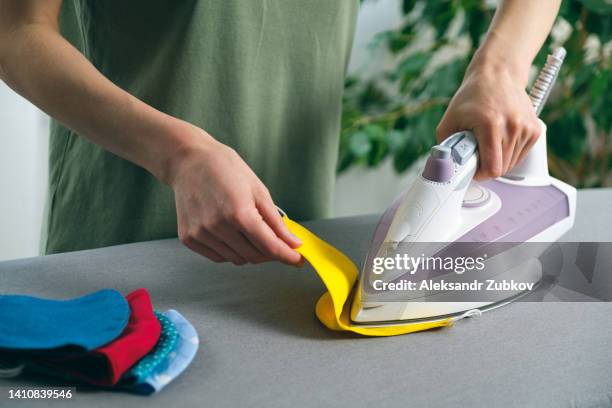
[[339, 275]]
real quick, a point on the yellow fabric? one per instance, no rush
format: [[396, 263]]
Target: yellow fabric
[[339, 275]]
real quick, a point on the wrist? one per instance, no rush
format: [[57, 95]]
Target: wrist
[[498, 57], [186, 139]]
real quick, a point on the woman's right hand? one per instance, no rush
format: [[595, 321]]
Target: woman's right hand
[[224, 211]]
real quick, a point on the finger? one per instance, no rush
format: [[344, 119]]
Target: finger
[[271, 216], [210, 240], [518, 129], [261, 236], [489, 136], [241, 245], [518, 150], [509, 147], [205, 251], [531, 139]]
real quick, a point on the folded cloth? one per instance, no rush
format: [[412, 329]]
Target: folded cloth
[[339, 275], [165, 344], [175, 362], [82, 324], [105, 365], [11, 367]]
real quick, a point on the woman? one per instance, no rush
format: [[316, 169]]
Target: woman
[[190, 116]]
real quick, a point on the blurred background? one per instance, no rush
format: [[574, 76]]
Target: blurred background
[[408, 58], [396, 96]]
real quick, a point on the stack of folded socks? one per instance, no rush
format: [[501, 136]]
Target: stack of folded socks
[[102, 339]]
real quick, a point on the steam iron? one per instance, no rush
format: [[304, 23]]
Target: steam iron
[[444, 212]]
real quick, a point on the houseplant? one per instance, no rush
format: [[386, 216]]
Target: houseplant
[[393, 113]]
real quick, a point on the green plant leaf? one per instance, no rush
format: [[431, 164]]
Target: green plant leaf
[[600, 25], [601, 99], [395, 140], [375, 131], [397, 41], [445, 80], [582, 78], [345, 161], [408, 6], [598, 6], [476, 22], [378, 144], [413, 147], [359, 144], [570, 10], [567, 136], [410, 68], [371, 96], [440, 13]]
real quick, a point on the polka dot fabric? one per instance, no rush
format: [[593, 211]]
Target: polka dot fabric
[[175, 362], [167, 341]]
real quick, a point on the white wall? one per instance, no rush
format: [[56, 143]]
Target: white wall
[[24, 150], [374, 17], [23, 174]]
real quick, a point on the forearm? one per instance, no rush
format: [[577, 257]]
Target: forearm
[[38, 63], [223, 210], [517, 32]]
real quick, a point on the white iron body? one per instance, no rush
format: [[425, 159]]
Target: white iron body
[[444, 206]]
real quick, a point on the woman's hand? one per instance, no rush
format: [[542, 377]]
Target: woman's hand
[[492, 102], [224, 211]]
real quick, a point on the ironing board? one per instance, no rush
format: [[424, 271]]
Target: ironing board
[[262, 346]]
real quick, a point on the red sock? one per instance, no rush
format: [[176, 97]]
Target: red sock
[[105, 365]]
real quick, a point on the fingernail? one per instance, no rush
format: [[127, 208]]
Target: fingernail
[[297, 240]]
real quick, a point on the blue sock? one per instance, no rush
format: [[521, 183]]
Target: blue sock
[[85, 323]]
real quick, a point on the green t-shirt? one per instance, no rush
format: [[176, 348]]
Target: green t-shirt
[[262, 76]]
